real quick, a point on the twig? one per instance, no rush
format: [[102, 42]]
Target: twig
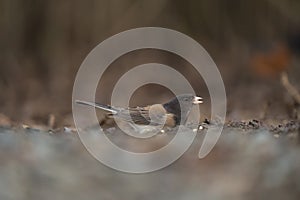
[[290, 88], [265, 109], [51, 121]]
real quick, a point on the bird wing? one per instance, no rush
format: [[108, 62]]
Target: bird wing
[[137, 115], [155, 114]]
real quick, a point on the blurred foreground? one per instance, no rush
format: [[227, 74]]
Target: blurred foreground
[[245, 164]]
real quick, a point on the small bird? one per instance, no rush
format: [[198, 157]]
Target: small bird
[[169, 114]]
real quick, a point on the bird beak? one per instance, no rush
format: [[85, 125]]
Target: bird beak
[[197, 100]]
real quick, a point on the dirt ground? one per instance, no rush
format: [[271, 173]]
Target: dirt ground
[[248, 162]]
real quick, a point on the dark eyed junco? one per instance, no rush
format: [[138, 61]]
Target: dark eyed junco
[[169, 114]]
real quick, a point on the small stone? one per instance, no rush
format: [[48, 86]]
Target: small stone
[[68, 130], [24, 126]]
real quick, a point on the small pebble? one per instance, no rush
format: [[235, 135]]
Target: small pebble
[[24, 126], [67, 130]]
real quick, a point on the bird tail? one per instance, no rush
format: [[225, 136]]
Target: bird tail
[[98, 105]]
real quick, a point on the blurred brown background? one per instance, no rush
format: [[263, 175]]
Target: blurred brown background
[[254, 43], [43, 43]]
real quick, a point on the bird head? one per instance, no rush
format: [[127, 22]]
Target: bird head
[[181, 105]]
